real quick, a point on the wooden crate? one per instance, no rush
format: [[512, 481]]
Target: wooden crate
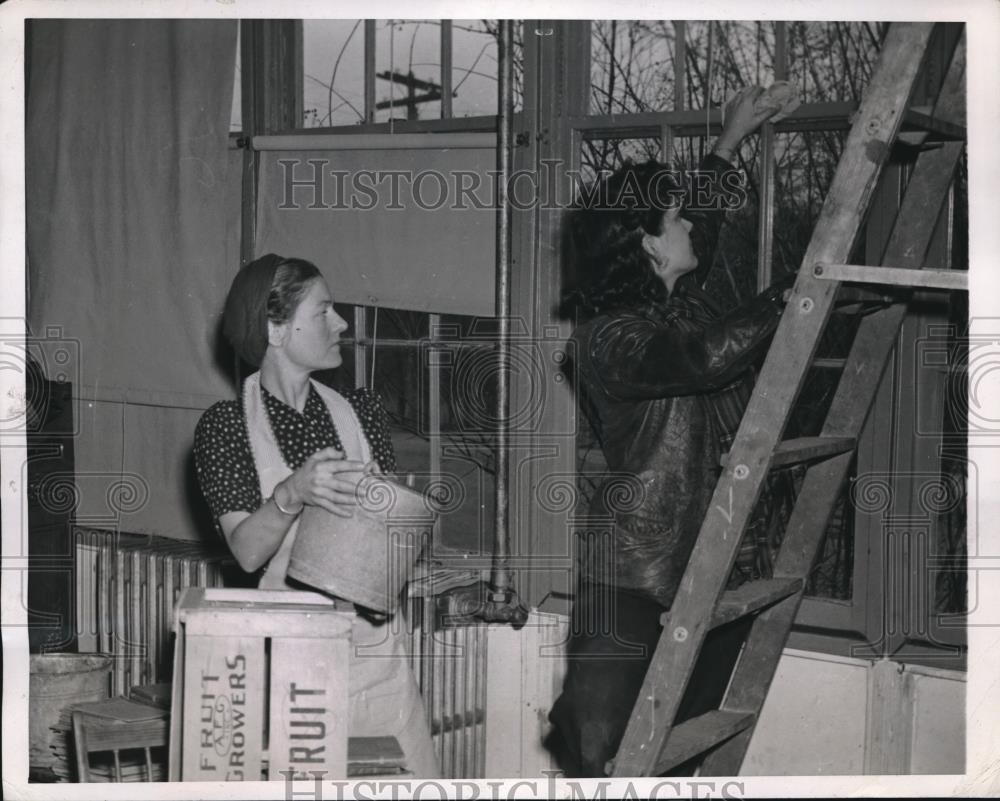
[[259, 685]]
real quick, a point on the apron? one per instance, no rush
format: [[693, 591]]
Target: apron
[[384, 697]]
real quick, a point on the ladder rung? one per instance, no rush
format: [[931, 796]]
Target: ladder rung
[[862, 293], [698, 735], [849, 309], [894, 276], [939, 130], [752, 597], [748, 598], [804, 449], [858, 297], [807, 449]]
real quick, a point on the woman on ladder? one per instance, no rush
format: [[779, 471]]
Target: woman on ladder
[[664, 374]]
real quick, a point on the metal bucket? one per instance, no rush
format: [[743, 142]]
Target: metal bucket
[[366, 558], [57, 681]]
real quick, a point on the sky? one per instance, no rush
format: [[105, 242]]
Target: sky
[[333, 55]]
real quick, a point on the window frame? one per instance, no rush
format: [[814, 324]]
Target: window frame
[[859, 625], [828, 625]]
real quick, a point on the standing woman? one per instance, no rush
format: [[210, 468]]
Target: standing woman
[[663, 373], [290, 441]]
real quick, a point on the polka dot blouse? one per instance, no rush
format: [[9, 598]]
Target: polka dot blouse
[[223, 460]]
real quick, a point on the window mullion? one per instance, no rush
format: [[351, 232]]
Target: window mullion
[[360, 349], [369, 71], [446, 76], [680, 59]]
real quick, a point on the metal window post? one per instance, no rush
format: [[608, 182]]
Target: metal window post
[[501, 577]]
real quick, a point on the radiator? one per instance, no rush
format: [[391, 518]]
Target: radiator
[[450, 664], [127, 588]]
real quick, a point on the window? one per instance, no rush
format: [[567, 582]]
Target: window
[[633, 70], [333, 80], [414, 63], [407, 69], [432, 371], [850, 50], [436, 375], [474, 68], [864, 556], [631, 66]]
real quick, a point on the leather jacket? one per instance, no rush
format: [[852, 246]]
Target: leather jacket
[[651, 379]]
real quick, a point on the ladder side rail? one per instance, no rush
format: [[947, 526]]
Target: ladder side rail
[[739, 486], [852, 402], [909, 242]]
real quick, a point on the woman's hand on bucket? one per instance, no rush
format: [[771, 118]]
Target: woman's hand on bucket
[[328, 480]]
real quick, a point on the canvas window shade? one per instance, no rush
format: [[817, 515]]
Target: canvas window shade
[[132, 220], [133, 210], [406, 228]]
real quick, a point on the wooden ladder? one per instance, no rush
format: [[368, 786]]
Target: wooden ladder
[[652, 745]]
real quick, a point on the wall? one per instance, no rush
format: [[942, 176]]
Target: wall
[[830, 715], [132, 223], [824, 715]]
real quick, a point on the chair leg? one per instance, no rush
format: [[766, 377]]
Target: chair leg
[[118, 767], [149, 765]]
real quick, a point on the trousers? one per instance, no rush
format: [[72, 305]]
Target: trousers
[[613, 634]]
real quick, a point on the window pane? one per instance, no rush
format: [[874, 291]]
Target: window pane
[[832, 575], [733, 277], [631, 66], [724, 56], [806, 163], [697, 64], [333, 85], [466, 379], [950, 529], [407, 69], [607, 155], [396, 324], [468, 382], [333, 82], [951, 520], [236, 116], [831, 61], [474, 67], [744, 55], [632, 62]]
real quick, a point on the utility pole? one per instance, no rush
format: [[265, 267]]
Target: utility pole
[[411, 100]]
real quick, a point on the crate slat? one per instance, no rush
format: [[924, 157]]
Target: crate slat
[[308, 706], [223, 708]]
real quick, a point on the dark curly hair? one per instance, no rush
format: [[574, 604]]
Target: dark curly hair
[[606, 229]]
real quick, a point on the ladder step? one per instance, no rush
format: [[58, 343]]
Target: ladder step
[[747, 599], [804, 449], [855, 298], [752, 597], [917, 122], [894, 276], [807, 449], [698, 735], [855, 294]]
